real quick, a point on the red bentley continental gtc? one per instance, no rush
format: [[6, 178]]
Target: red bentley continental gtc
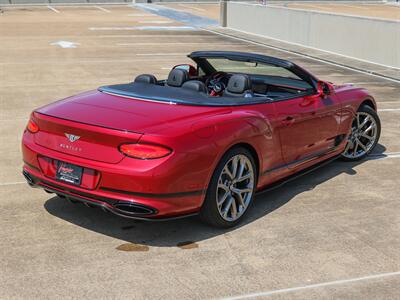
[[203, 141]]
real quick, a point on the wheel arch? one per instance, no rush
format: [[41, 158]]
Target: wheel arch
[[369, 102]]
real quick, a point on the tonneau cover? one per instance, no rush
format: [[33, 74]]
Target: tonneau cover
[[176, 95]]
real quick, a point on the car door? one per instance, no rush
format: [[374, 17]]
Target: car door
[[308, 127]]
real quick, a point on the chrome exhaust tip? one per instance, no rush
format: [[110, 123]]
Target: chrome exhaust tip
[[133, 209]]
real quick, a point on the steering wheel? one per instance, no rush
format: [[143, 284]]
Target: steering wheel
[[215, 83]]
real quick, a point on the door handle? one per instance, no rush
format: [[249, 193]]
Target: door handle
[[289, 120]]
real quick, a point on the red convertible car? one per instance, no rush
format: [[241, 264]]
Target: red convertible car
[[203, 141]]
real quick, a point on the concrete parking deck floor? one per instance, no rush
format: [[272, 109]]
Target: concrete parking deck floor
[[339, 225]]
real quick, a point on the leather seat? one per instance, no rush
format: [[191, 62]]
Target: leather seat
[[146, 78], [195, 85], [239, 85], [177, 77]]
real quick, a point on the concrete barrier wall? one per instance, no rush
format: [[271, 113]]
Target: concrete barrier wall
[[150, 1], [28, 2], [373, 40]]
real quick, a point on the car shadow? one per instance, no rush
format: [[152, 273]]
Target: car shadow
[[190, 230]]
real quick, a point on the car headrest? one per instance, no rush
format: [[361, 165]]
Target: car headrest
[[195, 85], [146, 78], [177, 77], [238, 84]]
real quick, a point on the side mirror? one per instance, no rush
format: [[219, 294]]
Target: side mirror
[[324, 89], [187, 67]]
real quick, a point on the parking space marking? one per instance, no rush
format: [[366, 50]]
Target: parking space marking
[[140, 15], [143, 28], [65, 44], [112, 28], [12, 183], [388, 109], [53, 9], [160, 44], [155, 36], [313, 286], [374, 156], [363, 82], [386, 102], [159, 54], [155, 22], [102, 9]]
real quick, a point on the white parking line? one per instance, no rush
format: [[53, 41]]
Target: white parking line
[[160, 44], [155, 22], [313, 286], [159, 36], [112, 28], [388, 109], [374, 156], [53, 9], [144, 28], [159, 54], [12, 183], [140, 15], [103, 9], [386, 102]]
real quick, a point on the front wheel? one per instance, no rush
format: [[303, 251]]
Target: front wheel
[[365, 133], [231, 190]]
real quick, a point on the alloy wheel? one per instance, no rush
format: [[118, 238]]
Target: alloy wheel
[[235, 187], [362, 137]]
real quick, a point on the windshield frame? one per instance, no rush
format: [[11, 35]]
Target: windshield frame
[[201, 59]]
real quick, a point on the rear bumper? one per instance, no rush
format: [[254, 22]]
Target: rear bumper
[[122, 208], [153, 189]]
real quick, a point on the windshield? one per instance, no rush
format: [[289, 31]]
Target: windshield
[[251, 68]]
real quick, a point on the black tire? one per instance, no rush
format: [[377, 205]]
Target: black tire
[[369, 110], [209, 212]]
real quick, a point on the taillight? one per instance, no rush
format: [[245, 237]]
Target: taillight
[[144, 151], [32, 126]]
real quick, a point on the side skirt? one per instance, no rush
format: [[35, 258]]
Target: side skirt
[[296, 175]]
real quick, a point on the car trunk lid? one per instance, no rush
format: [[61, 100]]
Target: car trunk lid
[[125, 113], [103, 122], [82, 140]]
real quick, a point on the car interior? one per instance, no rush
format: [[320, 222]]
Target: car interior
[[222, 79], [226, 84]]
